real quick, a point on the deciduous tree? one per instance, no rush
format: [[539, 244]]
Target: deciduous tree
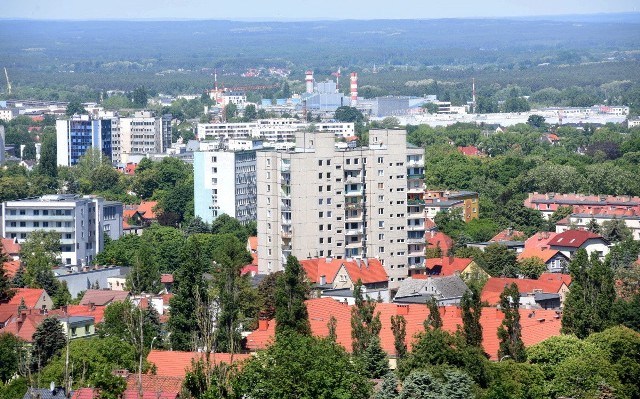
[[510, 330]]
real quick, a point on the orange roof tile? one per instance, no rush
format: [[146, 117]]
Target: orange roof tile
[[97, 312], [253, 243], [176, 363], [370, 272], [545, 254], [320, 311], [84, 393], [103, 297], [429, 224], [435, 239], [24, 326], [146, 209], [31, 296], [128, 213], [539, 240], [547, 282], [166, 278], [508, 235], [10, 246], [446, 266], [11, 267], [155, 386]]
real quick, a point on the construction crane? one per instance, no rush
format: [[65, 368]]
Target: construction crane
[[6, 74]]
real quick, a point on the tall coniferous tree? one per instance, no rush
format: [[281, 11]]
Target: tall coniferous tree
[[365, 335], [399, 329], [510, 331], [291, 292], [189, 283], [471, 312], [434, 320], [144, 275]]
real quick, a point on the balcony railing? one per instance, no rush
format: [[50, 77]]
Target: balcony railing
[[415, 202], [286, 234], [415, 176]]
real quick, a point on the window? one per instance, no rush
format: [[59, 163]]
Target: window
[[321, 240], [36, 224], [321, 227], [328, 227], [328, 188], [36, 212], [381, 185], [320, 175], [320, 200], [319, 162], [320, 214], [380, 211], [380, 172], [329, 201], [381, 236], [268, 188], [319, 189], [329, 214], [381, 223], [328, 175], [23, 212], [380, 160]]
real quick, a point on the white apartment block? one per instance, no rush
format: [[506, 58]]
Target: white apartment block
[[225, 182], [143, 133], [324, 200], [271, 130], [81, 221]]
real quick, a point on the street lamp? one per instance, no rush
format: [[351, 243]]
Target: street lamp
[[154, 338]]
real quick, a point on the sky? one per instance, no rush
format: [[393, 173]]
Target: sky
[[274, 10]]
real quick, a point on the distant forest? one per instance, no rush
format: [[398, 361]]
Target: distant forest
[[70, 59]]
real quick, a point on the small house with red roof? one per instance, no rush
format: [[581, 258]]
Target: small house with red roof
[[568, 242], [470, 151], [136, 217], [34, 298], [555, 260], [547, 292], [23, 325], [176, 363], [337, 277], [439, 240], [448, 266], [11, 248], [103, 297], [539, 240], [550, 138], [509, 235]]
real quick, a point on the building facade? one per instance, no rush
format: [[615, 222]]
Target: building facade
[[225, 182], [271, 130], [324, 200], [143, 133], [79, 133], [79, 221]]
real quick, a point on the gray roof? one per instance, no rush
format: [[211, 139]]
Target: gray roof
[[44, 393], [447, 287], [341, 292], [420, 298], [542, 296]]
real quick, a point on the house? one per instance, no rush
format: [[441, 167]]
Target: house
[[34, 298], [447, 290], [509, 235], [439, 240], [138, 216], [539, 240], [176, 363], [545, 324], [555, 260], [443, 200], [45, 393], [117, 283], [25, 324], [550, 138], [167, 282], [517, 246], [78, 326], [568, 242], [11, 248], [96, 312], [470, 151], [103, 297], [547, 292], [448, 266]]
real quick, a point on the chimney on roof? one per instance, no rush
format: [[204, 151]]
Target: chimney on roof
[[323, 280]]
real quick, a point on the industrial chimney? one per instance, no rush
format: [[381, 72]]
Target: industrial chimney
[[309, 81], [354, 88]]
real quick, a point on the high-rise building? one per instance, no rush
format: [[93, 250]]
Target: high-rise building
[[225, 183], [81, 221], [79, 133], [328, 199], [143, 133]]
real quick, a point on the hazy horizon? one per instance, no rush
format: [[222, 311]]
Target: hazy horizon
[[291, 11]]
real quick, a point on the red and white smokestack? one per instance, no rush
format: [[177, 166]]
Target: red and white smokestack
[[309, 81], [354, 88]]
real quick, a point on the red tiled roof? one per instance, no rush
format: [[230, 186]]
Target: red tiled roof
[[547, 282], [470, 151], [153, 386], [429, 224], [251, 269], [446, 266], [166, 278], [84, 393], [370, 272], [31, 296], [25, 326], [11, 267], [7, 312], [146, 209], [10, 247], [253, 243], [97, 312], [103, 297], [539, 240], [508, 235], [573, 238], [435, 239], [320, 311], [545, 254], [176, 363]]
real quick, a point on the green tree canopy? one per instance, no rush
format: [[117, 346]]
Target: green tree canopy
[[48, 340], [291, 292]]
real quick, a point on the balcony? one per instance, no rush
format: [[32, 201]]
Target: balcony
[[286, 222], [416, 252], [415, 202], [354, 244], [285, 194], [286, 234], [418, 240], [353, 232], [354, 193], [415, 176], [415, 164], [355, 218], [353, 179], [353, 205], [285, 167], [415, 227]]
